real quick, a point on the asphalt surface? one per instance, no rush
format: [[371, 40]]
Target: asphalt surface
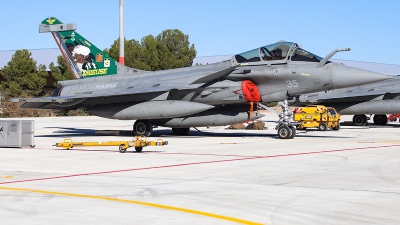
[[213, 176]]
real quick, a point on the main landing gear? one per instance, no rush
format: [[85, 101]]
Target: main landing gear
[[142, 128], [145, 128]]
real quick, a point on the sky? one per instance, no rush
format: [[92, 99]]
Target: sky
[[371, 28]]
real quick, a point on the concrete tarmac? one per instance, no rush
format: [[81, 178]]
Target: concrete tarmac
[[213, 176]]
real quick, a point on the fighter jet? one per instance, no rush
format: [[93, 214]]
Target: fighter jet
[[209, 95], [378, 98]]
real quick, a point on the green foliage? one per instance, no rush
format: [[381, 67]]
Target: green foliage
[[168, 50], [60, 72], [179, 52], [22, 76]]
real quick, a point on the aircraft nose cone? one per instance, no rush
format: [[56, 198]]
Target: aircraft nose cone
[[343, 77]]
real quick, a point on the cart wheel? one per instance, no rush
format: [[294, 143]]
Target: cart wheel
[[122, 149], [138, 149], [336, 128], [323, 126]]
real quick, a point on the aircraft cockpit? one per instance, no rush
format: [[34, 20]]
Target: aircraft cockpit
[[277, 53]]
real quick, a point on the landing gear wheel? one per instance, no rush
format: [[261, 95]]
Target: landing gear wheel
[[322, 126], [360, 120], [284, 132], [142, 128], [138, 149], [293, 133], [122, 149], [336, 127], [380, 119], [181, 131]]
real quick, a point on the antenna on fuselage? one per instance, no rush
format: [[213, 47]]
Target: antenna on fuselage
[[121, 33]]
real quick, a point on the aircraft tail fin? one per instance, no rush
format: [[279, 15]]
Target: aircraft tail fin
[[83, 58]]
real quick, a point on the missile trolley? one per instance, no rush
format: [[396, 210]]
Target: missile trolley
[[137, 142]]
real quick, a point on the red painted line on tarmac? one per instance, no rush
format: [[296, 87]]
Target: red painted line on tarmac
[[198, 163], [199, 154]]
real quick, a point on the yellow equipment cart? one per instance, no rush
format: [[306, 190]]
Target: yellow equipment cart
[[317, 116], [137, 142]]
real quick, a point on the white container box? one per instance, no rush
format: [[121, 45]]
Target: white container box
[[17, 133]]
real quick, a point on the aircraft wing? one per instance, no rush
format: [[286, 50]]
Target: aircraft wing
[[106, 93], [58, 99]]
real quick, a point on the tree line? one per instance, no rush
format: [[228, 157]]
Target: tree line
[[24, 78]]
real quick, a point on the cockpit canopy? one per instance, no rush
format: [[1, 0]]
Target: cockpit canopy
[[278, 51]]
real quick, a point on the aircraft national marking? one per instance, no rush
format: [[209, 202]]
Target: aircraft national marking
[[106, 86]]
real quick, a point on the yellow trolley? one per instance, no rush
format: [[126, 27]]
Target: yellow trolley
[[137, 142]]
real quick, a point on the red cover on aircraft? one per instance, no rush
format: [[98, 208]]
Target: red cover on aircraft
[[250, 91]]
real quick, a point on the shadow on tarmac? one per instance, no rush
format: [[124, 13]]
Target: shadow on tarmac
[[69, 132], [129, 150]]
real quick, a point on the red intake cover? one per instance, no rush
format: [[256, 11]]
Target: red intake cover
[[250, 91]]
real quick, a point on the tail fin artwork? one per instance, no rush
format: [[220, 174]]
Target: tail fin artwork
[[83, 58]]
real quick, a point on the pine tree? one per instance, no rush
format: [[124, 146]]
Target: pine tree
[[22, 77]]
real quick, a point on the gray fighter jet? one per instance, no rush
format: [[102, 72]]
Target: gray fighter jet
[[378, 98], [209, 95]]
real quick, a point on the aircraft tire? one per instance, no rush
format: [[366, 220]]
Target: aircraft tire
[[284, 132], [181, 131], [380, 119], [293, 133], [121, 149], [322, 126], [360, 120], [142, 128]]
